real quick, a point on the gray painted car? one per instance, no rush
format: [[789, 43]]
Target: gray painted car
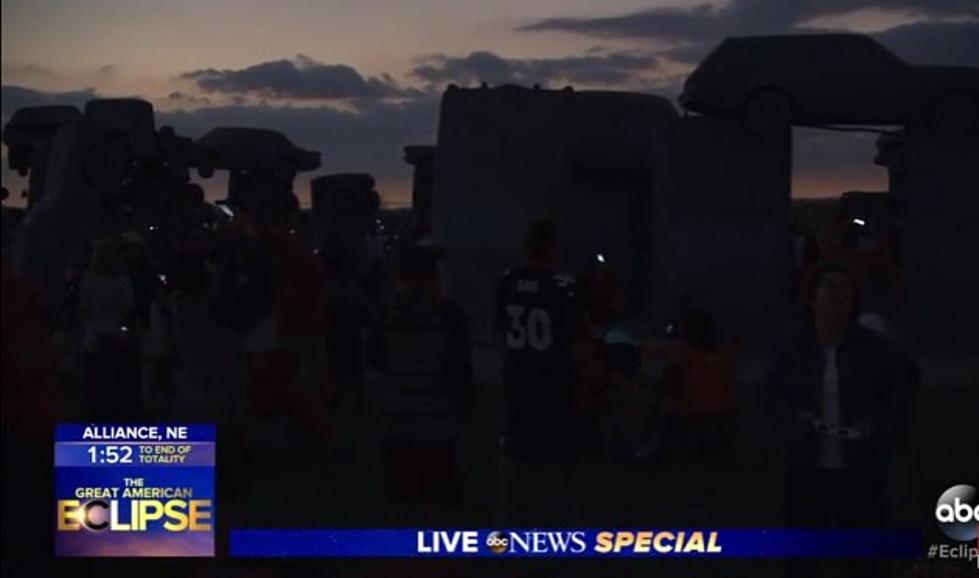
[[240, 148], [772, 81]]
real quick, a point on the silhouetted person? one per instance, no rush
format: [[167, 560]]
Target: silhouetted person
[[866, 253], [111, 337], [611, 385], [600, 298], [207, 359], [246, 272], [422, 346], [805, 253], [146, 281], [545, 343], [805, 248], [843, 391], [622, 398], [348, 311]]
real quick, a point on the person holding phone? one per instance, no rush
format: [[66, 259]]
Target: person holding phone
[[843, 394]]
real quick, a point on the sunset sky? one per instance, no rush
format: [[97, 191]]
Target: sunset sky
[[357, 80]]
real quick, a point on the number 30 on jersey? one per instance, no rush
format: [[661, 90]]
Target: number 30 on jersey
[[528, 326]]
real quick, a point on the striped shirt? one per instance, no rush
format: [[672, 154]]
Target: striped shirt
[[423, 352]]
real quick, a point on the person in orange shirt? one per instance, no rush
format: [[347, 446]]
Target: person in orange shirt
[[698, 394]]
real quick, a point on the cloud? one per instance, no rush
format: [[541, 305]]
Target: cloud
[[181, 98], [15, 97], [594, 68], [301, 78], [688, 53], [672, 24], [27, 69], [739, 17], [668, 86]]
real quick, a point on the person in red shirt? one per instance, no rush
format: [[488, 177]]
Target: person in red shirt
[[287, 368], [29, 411]]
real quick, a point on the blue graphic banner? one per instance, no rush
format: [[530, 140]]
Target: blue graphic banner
[[134, 490], [569, 543]]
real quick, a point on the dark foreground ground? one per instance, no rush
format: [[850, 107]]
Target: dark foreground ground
[[298, 485]]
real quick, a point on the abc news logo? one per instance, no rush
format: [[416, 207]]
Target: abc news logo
[[957, 513], [499, 542], [534, 542]]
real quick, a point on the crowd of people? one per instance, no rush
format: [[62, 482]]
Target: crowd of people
[[250, 323]]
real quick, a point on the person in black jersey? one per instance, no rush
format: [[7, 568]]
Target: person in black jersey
[[545, 337]]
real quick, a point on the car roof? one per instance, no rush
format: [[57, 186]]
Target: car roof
[[246, 147], [795, 39], [823, 43]]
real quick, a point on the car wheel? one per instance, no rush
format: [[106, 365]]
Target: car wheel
[[768, 113], [956, 113]]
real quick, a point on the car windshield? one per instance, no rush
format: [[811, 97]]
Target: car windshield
[[882, 53]]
